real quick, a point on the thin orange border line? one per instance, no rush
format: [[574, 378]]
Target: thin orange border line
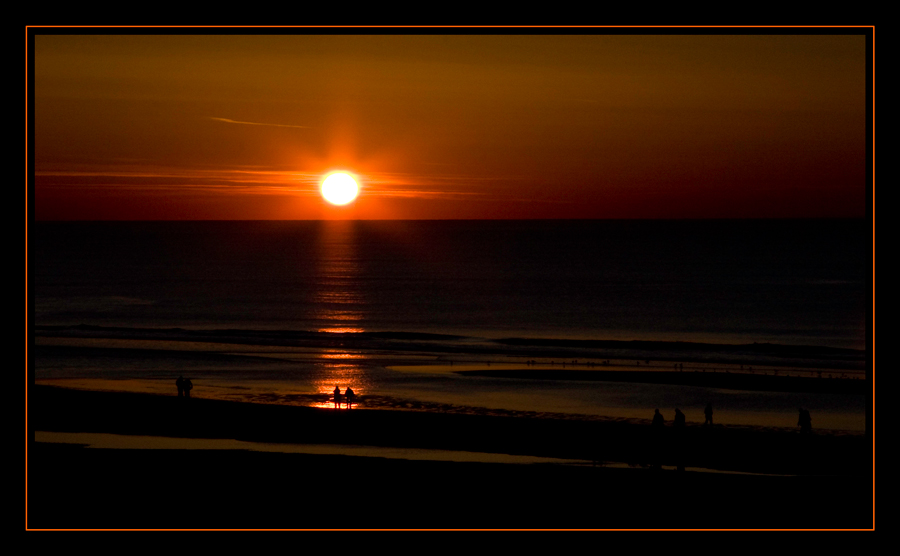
[[873, 278], [27, 301], [451, 27], [27, 192], [448, 529]]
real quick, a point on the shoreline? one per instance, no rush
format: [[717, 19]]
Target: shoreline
[[72, 486], [738, 380], [276, 394], [737, 448]]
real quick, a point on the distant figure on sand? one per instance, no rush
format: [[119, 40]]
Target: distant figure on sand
[[679, 440], [349, 394], [179, 383], [708, 413], [805, 421], [187, 385], [679, 419], [658, 429], [337, 397]]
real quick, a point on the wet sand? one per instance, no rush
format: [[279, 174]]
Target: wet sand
[[815, 481], [730, 380]]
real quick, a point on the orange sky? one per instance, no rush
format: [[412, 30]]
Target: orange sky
[[450, 126]]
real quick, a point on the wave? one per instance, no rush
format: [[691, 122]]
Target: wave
[[408, 341]]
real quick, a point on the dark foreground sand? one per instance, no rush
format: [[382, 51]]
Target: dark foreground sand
[[826, 480]]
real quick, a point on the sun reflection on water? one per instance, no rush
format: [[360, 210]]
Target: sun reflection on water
[[342, 370], [337, 354], [339, 299]]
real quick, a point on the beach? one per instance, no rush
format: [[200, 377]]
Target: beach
[[505, 373], [765, 478]]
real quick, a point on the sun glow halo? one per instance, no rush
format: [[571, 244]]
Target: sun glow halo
[[339, 188]]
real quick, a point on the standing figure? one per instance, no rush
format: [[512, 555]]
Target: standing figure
[[337, 397], [679, 419], [179, 383], [708, 413], [805, 421], [657, 426], [679, 440], [349, 395], [187, 387]]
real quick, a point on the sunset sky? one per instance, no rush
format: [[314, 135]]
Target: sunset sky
[[450, 126]]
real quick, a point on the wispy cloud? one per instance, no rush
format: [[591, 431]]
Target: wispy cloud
[[262, 180], [420, 194], [227, 121]]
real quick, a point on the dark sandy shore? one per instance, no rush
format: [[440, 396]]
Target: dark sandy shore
[[823, 481], [733, 381]]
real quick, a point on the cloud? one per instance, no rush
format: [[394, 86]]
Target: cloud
[[226, 120], [266, 180], [419, 194]]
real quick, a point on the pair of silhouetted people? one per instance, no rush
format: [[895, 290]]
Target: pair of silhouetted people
[[659, 421], [348, 395], [658, 426], [184, 386], [805, 421]]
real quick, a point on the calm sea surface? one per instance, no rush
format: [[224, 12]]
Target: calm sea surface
[[792, 282], [785, 281]]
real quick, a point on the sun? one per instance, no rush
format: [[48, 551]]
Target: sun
[[339, 188]]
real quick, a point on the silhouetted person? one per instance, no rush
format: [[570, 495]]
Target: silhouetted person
[[188, 385], [349, 394], [337, 397], [679, 419], [679, 433], [179, 383], [805, 421], [658, 420], [657, 425], [708, 413]]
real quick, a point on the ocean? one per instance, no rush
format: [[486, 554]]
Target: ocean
[[288, 308]]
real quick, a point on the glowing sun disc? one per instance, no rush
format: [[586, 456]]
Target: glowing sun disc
[[339, 188]]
